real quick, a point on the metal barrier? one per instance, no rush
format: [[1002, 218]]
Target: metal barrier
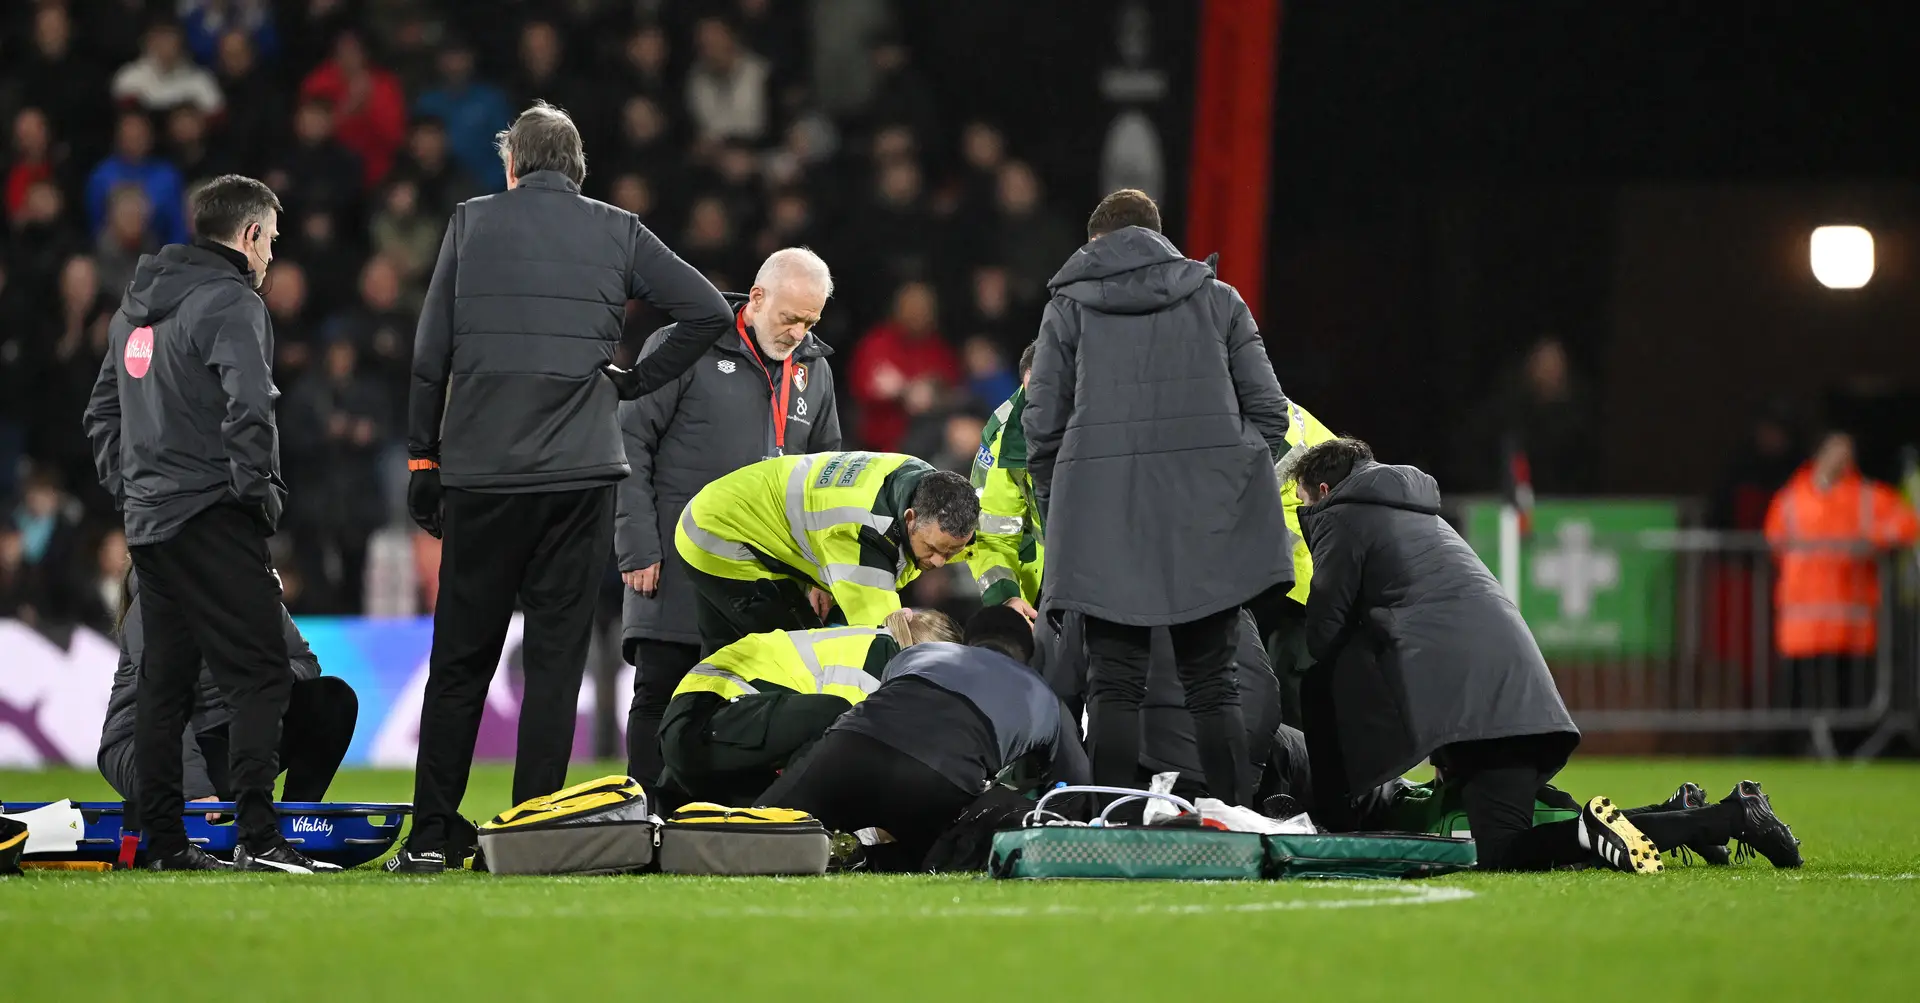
[[1691, 646]]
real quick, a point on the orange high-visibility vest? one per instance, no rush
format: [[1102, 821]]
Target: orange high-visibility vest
[[1827, 544]]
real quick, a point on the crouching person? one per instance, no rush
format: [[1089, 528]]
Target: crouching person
[[1418, 653], [314, 733], [946, 722], [745, 711]]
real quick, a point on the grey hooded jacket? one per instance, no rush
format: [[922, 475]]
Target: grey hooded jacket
[[181, 415], [1426, 648], [1153, 421]]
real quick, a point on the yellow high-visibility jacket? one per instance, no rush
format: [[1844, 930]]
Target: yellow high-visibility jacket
[[830, 519], [1303, 430], [842, 661], [1009, 548]]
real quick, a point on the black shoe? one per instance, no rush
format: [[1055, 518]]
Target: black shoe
[[192, 858], [411, 862], [279, 856], [1761, 831], [1612, 837], [1691, 795]]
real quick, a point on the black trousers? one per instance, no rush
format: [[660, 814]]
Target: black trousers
[[1117, 683], [728, 609], [1283, 629], [658, 668], [548, 551], [850, 781], [1499, 778], [728, 751], [208, 595], [314, 737]]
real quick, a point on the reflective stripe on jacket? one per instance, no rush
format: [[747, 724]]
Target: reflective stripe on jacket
[[830, 660], [832, 519], [1827, 544], [1008, 551], [1303, 430]]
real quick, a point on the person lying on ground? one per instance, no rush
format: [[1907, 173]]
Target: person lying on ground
[[314, 733], [744, 712], [947, 722]]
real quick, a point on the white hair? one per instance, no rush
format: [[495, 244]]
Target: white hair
[[793, 264]]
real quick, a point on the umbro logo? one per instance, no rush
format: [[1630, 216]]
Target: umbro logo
[[727, 366]]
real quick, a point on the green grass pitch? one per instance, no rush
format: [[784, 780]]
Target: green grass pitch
[[1845, 927]]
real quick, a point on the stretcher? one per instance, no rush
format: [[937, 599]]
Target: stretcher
[[347, 833], [1048, 845]]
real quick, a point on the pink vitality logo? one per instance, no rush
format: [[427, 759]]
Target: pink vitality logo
[[139, 351]]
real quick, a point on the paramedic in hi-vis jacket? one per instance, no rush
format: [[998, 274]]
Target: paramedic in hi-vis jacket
[[746, 710], [858, 526], [1009, 550], [765, 390], [1282, 616]]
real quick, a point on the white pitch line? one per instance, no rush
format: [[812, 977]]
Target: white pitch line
[[1391, 895]]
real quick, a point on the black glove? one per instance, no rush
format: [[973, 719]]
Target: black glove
[[425, 500], [625, 381]]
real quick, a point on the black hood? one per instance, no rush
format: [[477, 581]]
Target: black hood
[[1402, 487], [810, 347], [1131, 270], [162, 279]]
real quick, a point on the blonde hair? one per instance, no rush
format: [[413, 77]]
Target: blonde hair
[[915, 626]]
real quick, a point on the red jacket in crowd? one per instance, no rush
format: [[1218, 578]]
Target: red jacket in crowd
[[372, 126], [888, 359]]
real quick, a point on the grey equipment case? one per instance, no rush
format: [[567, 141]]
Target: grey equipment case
[[705, 838]]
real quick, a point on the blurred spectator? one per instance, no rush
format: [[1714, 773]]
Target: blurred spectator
[[407, 239], [472, 112], [901, 368], [127, 235], [33, 157], [774, 30], [48, 521], [893, 237], [63, 82], [900, 96], [983, 151], [709, 245], [736, 183], [961, 441], [286, 296], [789, 223], [644, 69], [633, 193], [22, 596], [990, 312], [109, 581], [207, 21], [133, 163], [428, 163], [1757, 473], [43, 239], [1547, 414], [542, 77], [332, 266], [643, 147], [17, 364], [190, 150], [990, 377], [332, 430], [255, 122], [163, 76], [369, 110], [74, 334], [317, 173], [1028, 238], [1829, 528], [727, 86], [380, 325]]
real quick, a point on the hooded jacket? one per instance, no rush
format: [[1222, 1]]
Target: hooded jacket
[[527, 302], [181, 416], [714, 419], [1426, 649], [1153, 421]]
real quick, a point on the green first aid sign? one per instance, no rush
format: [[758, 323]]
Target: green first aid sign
[[1592, 580]]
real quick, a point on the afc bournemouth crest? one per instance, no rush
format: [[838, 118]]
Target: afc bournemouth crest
[[800, 378]]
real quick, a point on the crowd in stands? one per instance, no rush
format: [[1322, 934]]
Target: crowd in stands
[[732, 127]]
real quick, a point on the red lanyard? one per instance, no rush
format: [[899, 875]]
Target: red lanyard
[[779, 397]]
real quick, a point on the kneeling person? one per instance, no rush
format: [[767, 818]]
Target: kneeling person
[[314, 733], [746, 710], [856, 527], [948, 720]]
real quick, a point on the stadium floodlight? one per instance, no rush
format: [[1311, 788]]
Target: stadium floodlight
[[1842, 256]]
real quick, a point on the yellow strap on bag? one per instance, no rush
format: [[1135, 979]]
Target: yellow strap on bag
[[575, 800], [708, 813]]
